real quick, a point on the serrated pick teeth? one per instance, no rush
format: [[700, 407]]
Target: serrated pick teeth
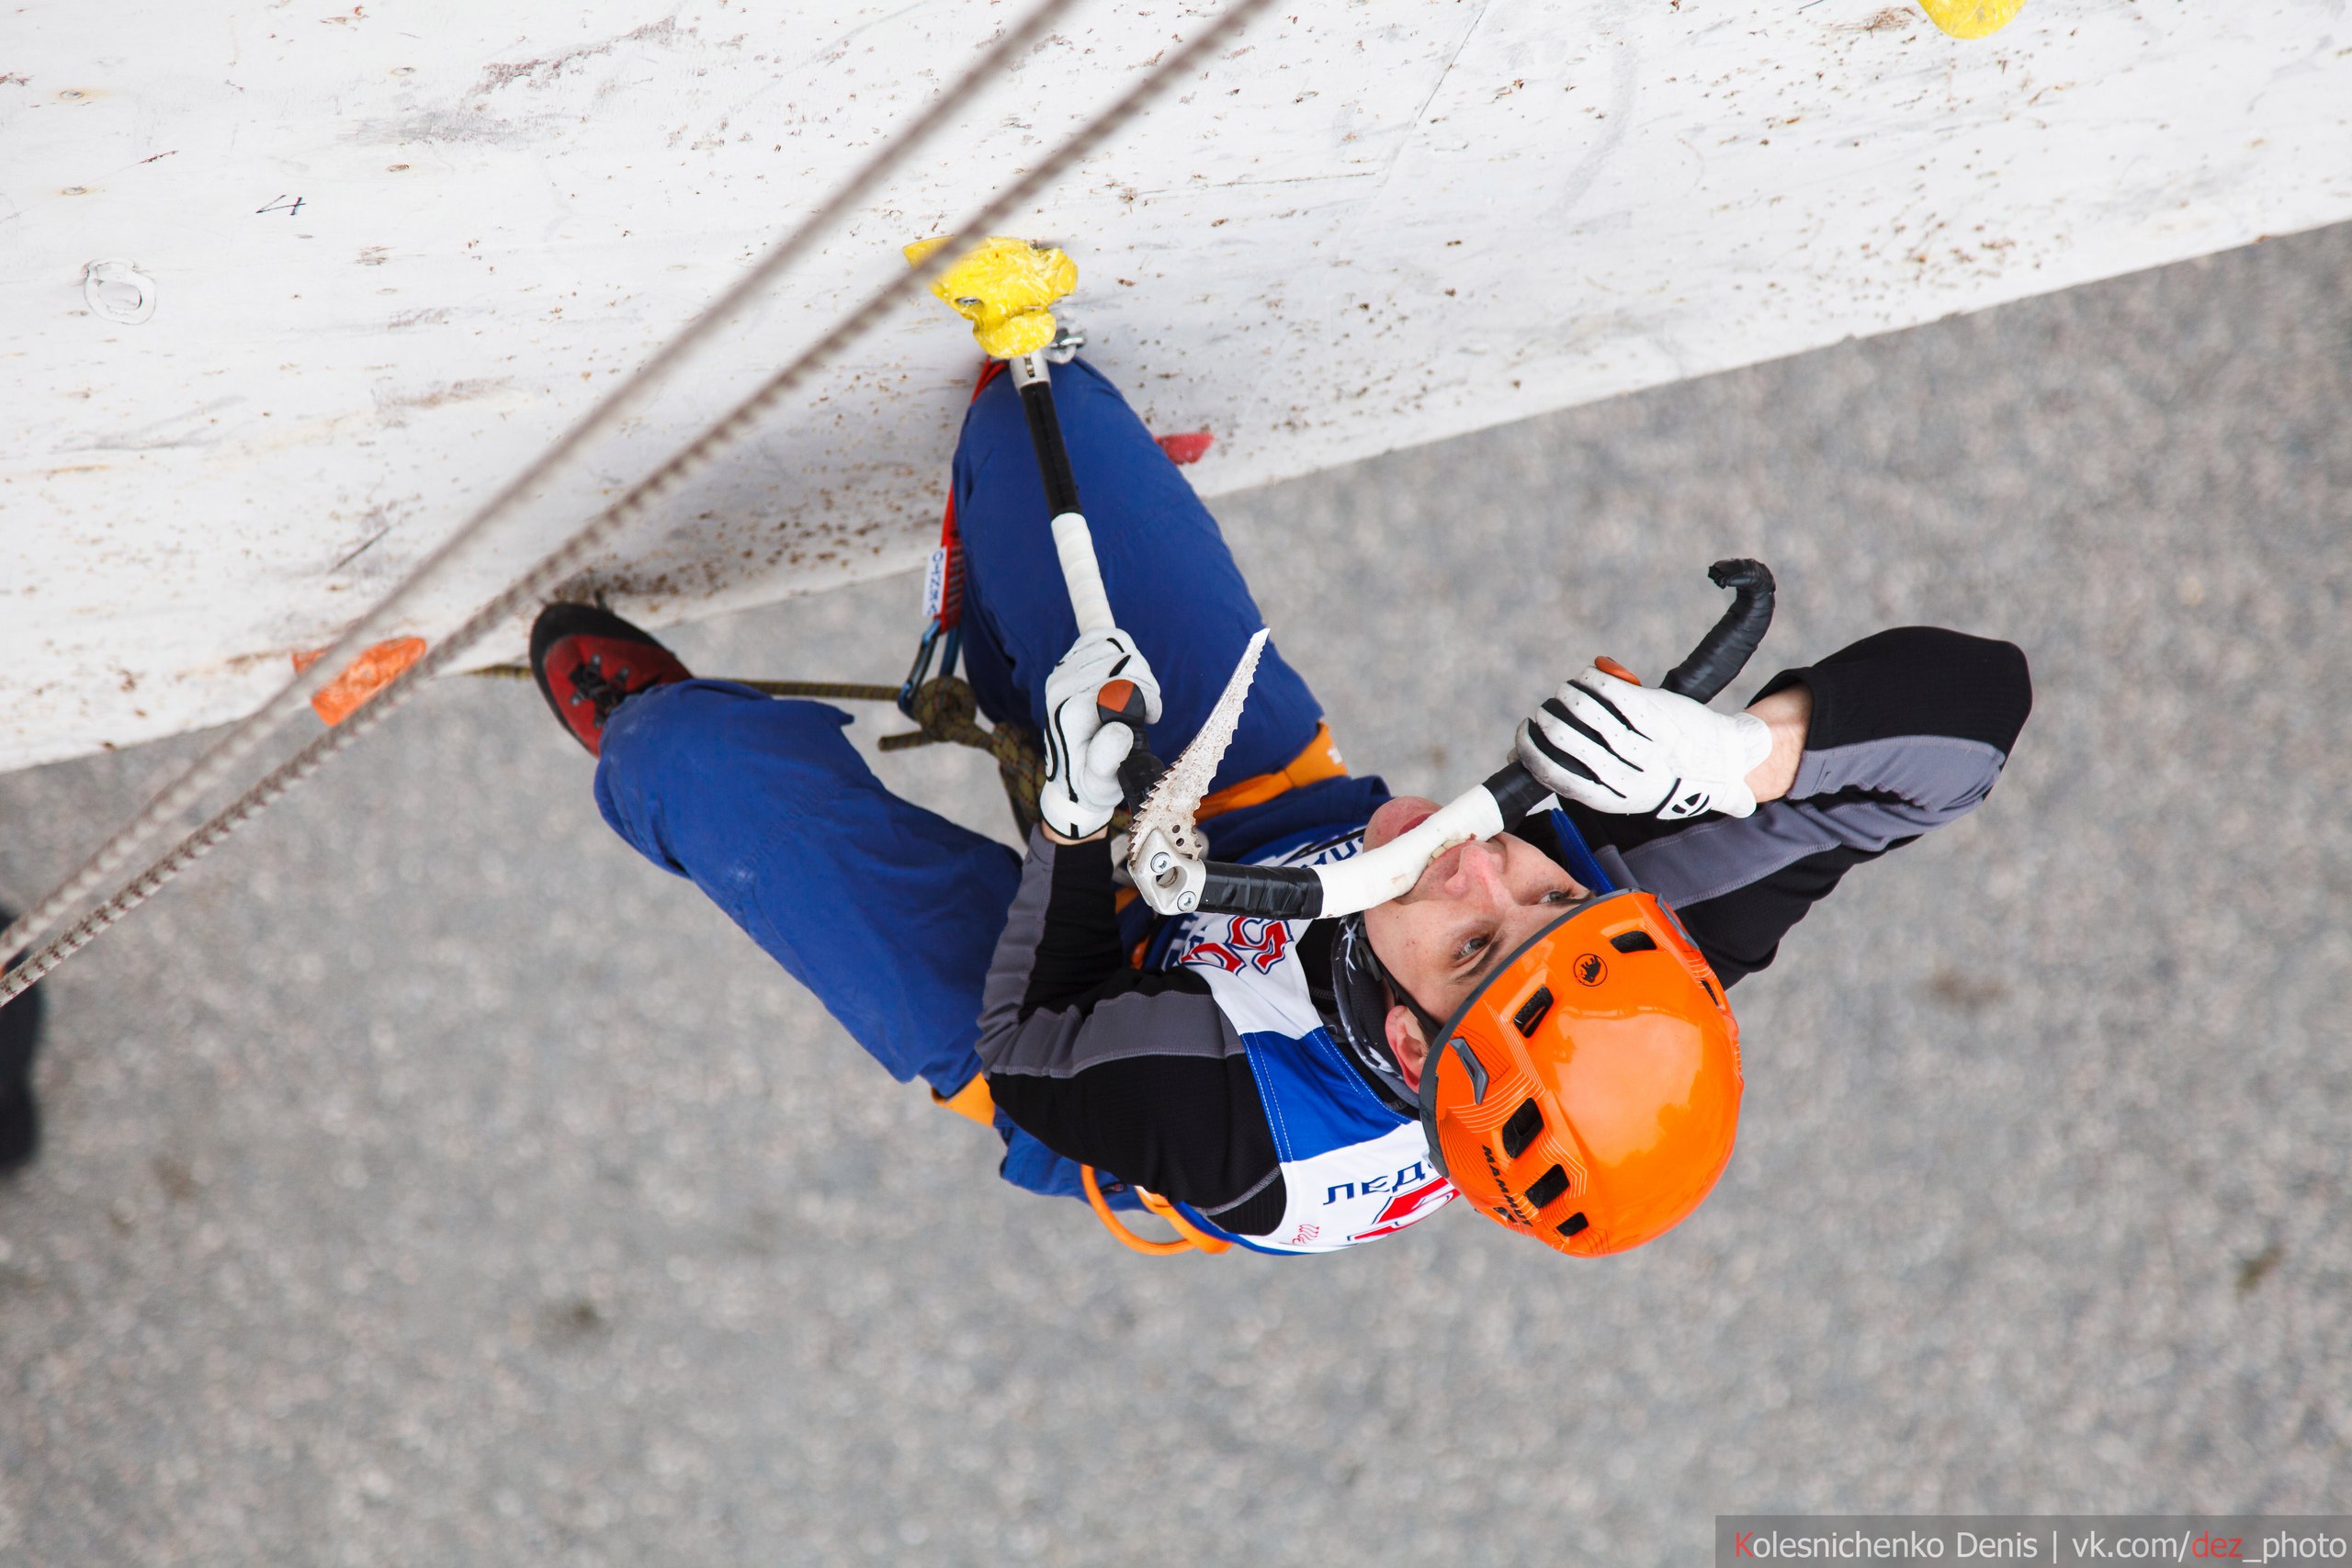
[[1169, 806]]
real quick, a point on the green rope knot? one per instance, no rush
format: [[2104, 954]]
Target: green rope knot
[[946, 709]]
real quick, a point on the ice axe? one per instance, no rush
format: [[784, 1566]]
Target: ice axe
[[1006, 289], [1167, 857]]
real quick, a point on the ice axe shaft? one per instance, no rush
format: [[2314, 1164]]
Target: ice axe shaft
[[1119, 702], [1073, 541], [1007, 289]]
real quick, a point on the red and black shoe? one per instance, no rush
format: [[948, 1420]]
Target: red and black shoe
[[589, 661]]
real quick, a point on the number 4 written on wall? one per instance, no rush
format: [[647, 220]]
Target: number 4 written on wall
[[282, 205]]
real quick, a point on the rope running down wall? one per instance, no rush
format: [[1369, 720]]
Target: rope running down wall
[[574, 552], [241, 741]]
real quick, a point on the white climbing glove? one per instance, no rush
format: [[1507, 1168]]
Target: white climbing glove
[[1082, 754], [1638, 751]]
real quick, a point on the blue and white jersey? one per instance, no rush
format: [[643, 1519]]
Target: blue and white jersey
[[1354, 1167], [1208, 1073]]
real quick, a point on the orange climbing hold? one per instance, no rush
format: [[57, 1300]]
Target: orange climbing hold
[[370, 674]]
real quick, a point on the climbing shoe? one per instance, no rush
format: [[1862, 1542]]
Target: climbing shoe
[[589, 661]]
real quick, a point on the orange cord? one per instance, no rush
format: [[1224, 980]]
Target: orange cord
[[973, 1100], [1184, 1227], [1190, 1236]]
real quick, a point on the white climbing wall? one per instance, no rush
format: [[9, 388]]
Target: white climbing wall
[[369, 259]]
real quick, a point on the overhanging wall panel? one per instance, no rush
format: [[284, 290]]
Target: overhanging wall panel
[[1371, 225]]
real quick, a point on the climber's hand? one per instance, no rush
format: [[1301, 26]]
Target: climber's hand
[[1082, 753], [1606, 743]]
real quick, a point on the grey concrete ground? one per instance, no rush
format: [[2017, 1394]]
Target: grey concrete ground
[[431, 1182]]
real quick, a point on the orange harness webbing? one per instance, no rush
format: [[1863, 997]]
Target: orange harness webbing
[[974, 1101]]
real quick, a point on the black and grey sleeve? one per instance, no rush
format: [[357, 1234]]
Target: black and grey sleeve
[[1138, 1074], [1910, 730]]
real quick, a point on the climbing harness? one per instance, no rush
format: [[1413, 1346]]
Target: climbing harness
[[1189, 1237], [616, 408], [974, 1104]]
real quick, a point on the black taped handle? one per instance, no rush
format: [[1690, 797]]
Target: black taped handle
[[1712, 665], [1516, 792], [1121, 702], [1046, 437], [1283, 892], [1724, 650], [1139, 772]]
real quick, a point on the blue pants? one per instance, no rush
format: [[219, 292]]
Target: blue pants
[[889, 912]]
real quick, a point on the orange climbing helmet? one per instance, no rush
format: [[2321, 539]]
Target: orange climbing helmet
[[1588, 1094]]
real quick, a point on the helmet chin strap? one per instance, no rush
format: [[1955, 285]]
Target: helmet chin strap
[[1368, 1034]]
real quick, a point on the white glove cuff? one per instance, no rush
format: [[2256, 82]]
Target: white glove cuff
[[1743, 743], [1755, 742]]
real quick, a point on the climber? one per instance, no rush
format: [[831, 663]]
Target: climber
[[1275, 1079]]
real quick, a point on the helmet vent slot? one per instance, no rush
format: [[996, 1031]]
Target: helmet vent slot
[[1521, 1130], [1572, 1225], [1634, 942], [1531, 1011], [1548, 1186]]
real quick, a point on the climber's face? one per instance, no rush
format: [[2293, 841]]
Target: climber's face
[[1442, 939]]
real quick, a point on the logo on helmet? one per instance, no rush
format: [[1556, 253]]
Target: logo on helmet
[[1589, 969], [1507, 1210]]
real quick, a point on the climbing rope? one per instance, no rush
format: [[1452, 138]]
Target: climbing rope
[[944, 708], [247, 736]]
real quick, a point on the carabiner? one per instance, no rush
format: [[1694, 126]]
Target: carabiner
[[924, 652]]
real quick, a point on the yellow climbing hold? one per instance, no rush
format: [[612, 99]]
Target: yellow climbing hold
[[1006, 290], [1972, 18]]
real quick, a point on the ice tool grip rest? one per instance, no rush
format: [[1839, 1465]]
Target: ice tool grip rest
[[1121, 702]]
